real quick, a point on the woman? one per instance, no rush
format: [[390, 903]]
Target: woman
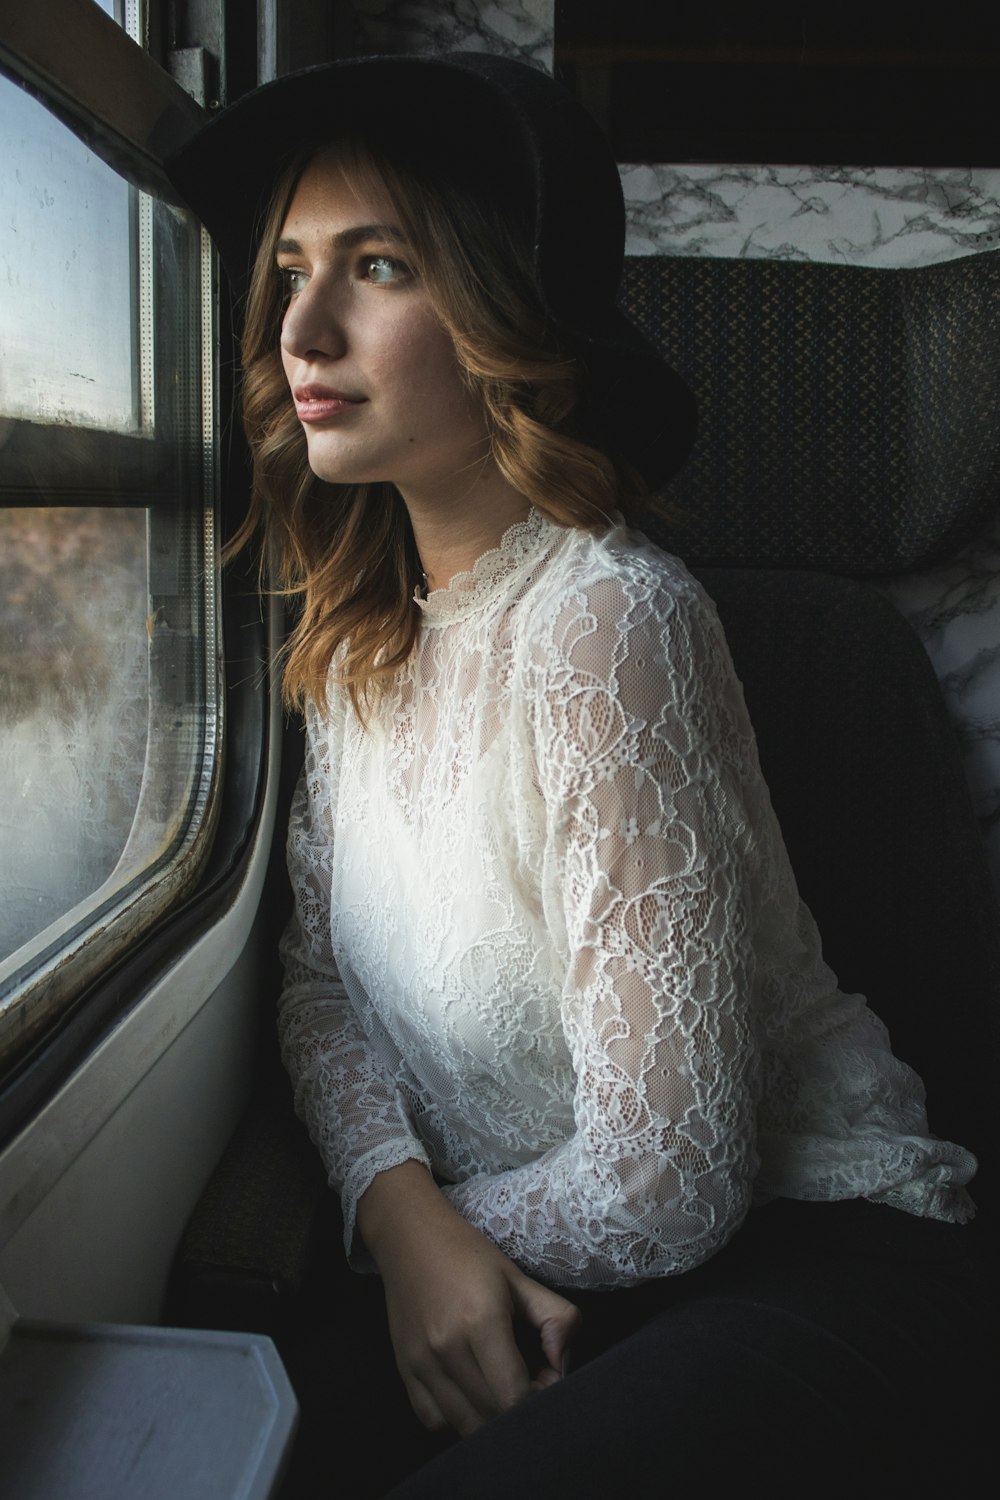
[[554, 1012]]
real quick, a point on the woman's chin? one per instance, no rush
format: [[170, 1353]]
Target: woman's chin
[[332, 471]]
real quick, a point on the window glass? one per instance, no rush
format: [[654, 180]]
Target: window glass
[[69, 307], [73, 664]]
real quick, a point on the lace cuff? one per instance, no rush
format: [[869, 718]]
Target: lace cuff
[[944, 1201]]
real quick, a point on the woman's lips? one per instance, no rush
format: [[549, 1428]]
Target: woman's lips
[[315, 403]]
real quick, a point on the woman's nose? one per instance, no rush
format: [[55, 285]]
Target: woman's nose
[[311, 325]]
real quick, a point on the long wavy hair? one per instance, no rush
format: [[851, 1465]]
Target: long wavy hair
[[347, 552]]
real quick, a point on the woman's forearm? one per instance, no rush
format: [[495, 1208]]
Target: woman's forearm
[[395, 1201]]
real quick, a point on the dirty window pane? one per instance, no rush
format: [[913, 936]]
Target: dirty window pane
[[74, 696], [69, 300]]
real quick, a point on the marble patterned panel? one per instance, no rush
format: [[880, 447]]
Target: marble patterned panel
[[509, 28], [873, 216]]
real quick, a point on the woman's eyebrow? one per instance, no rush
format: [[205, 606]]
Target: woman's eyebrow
[[348, 239]]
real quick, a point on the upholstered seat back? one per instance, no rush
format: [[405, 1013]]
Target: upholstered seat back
[[867, 780], [849, 418], [849, 427]]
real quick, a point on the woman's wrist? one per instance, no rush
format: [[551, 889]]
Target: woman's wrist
[[392, 1201]]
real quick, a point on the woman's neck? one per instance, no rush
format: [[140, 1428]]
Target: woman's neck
[[453, 532]]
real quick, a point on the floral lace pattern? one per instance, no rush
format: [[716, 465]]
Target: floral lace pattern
[[548, 942]]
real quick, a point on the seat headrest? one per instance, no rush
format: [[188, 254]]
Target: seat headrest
[[849, 417]]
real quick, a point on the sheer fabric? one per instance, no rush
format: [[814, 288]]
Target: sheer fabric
[[548, 942]]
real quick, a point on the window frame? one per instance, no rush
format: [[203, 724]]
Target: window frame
[[79, 63]]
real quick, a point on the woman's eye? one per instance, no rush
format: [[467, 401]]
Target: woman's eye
[[292, 281], [383, 268]]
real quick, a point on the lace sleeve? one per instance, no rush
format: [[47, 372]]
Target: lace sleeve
[[640, 735], [342, 1092]]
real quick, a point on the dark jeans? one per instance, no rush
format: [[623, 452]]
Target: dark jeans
[[829, 1349]]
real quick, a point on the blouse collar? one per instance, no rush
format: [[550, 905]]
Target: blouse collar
[[490, 575]]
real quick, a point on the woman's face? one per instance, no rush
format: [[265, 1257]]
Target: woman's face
[[371, 369]]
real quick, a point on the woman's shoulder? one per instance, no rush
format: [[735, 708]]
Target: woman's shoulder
[[616, 613], [615, 581]]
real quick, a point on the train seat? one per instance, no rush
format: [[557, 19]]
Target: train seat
[[849, 434]]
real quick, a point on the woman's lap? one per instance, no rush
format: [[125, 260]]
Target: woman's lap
[[828, 1345]]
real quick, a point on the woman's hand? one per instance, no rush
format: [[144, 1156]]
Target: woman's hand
[[458, 1308]]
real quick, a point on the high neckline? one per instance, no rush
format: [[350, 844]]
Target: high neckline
[[468, 592]]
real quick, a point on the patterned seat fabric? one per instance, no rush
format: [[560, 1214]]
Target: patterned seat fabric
[[849, 418]]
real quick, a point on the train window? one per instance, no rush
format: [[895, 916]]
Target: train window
[[109, 704]]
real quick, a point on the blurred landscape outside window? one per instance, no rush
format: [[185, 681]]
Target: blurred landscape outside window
[[74, 686]]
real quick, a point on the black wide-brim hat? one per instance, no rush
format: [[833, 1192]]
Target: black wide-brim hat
[[509, 130]]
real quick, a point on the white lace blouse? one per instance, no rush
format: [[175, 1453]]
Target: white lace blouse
[[547, 939]]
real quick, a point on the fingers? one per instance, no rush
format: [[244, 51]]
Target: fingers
[[425, 1408], [557, 1320], [463, 1379], [501, 1355], [502, 1364], [462, 1382], [445, 1408]]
